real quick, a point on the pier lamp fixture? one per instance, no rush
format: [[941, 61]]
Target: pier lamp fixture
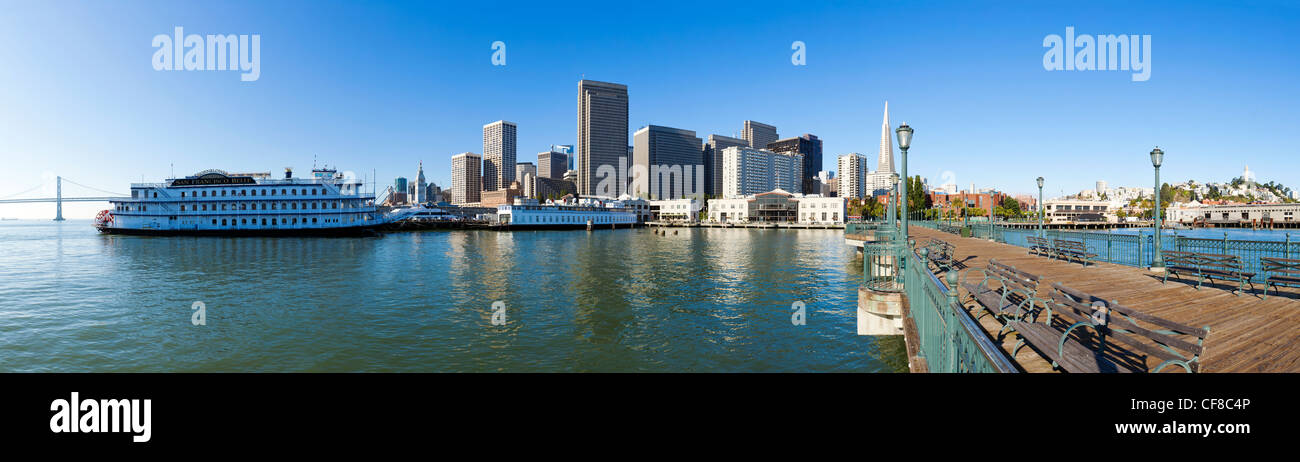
[[904, 142], [1157, 262], [1040, 207]]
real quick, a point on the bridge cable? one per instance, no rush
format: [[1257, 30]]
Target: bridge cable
[[39, 186], [94, 188]]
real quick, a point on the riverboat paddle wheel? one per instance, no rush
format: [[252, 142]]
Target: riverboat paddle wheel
[[104, 219]]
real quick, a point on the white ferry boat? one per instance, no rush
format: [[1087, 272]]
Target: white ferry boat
[[219, 203]]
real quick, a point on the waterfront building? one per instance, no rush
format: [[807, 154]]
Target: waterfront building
[[672, 161], [498, 154], [602, 133], [501, 196], [421, 194], [216, 202], [778, 206], [551, 188], [816, 209], [552, 164], [1081, 211], [810, 147], [747, 171], [758, 135], [1233, 213], [713, 160], [954, 203], [676, 210], [570, 215], [853, 175], [466, 186]]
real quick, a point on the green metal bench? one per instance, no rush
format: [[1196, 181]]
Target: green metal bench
[[1073, 250], [1279, 271], [1084, 333], [1207, 266], [1014, 297], [1039, 246], [942, 254]]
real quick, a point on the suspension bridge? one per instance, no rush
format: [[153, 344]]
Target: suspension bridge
[[58, 198]]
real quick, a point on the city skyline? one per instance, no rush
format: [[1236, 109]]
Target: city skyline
[[982, 110]]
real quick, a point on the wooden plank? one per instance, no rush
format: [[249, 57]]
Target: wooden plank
[[1246, 333]]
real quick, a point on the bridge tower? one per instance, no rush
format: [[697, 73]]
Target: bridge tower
[[58, 199]]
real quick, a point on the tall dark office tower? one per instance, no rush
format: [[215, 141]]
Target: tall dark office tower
[[551, 164], [713, 161], [602, 135], [674, 150], [758, 134], [811, 148]]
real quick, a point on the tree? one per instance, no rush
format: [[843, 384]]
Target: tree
[[917, 199], [1010, 208]]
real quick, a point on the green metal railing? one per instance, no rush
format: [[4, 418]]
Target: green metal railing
[[1137, 250], [949, 339]]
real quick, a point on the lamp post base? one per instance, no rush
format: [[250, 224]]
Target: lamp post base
[[1156, 269]]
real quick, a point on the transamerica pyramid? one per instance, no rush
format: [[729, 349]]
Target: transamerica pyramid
[[886, 163]]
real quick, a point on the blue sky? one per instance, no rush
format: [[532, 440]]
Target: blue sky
[[380, 87]]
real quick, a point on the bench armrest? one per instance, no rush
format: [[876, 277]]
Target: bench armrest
[[1060, 347]]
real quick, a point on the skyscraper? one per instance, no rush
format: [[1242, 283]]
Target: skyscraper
[[525, 167], [552, 164], [886, 162], [672, 160], [881, 181], [498, 154], [713, 161], [525, 173], [758, 134], [810, 147], [852, 169], [466, 171], [602, 136]]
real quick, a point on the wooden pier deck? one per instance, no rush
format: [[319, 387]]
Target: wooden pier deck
[[1247, 333]]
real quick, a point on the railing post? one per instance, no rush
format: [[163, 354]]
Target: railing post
[[1225, 243], [1138, 263], [1286, 251], [1109, 239]]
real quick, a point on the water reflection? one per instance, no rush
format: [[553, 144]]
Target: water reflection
[[624, 300]]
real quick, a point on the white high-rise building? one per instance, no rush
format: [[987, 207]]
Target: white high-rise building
[[852, 170], [886, 162], [466, 179], [498, 154], [747, 171]]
